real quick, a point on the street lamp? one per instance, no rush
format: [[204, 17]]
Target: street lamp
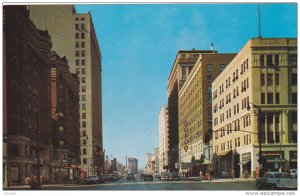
[[259, 135]]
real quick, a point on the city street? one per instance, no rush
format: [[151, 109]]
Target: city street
[[187, 185]]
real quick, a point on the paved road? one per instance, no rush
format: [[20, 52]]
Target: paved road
[[157, 185]]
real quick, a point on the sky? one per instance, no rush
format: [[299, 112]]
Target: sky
[[139, 43]]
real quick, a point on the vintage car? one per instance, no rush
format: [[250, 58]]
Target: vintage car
[[276, 181]]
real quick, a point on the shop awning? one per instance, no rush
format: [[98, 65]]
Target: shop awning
[[244, 162], [222, 154]]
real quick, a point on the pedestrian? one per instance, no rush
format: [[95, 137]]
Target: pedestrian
[[211, 173], [27, 180]]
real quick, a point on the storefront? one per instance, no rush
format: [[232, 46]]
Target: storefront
[[273, 160], [293, 159], [245, 165]]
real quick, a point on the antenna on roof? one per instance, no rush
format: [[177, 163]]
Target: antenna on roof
[[259, 35], [211, 46]]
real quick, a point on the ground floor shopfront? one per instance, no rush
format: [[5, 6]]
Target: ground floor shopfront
[[244, 162]]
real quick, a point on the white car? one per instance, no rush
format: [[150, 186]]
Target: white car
[[277, 180]]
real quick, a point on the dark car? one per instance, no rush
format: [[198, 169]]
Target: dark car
[[175, 176], [166, 176], [92, 180], [130, 177], [101, 178], [148, 177]]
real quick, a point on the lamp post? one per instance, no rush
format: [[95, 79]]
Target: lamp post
[[259, 135]]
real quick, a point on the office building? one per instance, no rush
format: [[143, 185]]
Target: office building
[[65, 113], [27, 126], [73, 35], [256, 96], [182, 66], [132, 167], [195, 112], [163, 139]]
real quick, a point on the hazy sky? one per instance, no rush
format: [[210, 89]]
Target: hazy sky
[[139, 44]]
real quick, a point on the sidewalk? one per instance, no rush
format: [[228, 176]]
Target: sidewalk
[[216, 179]]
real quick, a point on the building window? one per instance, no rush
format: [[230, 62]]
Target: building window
[[83, 115], [77, 44], [209, 90], [77, 35], [277, 98], [269, 79], [77, 62], [294, 79], [269, 59], [263, 98], [77, 71], [77, 53], [82, 26], [84, 142], [82, 36], [83, 106], [83, 89], [84, 161], [83, 53], [294, 98], [276, 79], [83, 124], [76, 26], [262, 79], [83, 79], [222, 67], [83, 71], [209, 79], [270, 98], [82, 19], [83, 62], [293, 60], [83, 98], [276, 59], [209, 68], [83, 133], [82, 44], [262, 60]]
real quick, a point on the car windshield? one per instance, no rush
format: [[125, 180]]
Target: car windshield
[[282, 175]]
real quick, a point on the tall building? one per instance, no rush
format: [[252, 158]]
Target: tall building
[[65, 113], [27, 127], [132, 166], [183, 65], [256, 96], [73, 35], [163, 139], [195, 112]]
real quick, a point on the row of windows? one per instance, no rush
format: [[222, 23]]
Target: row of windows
[[221, 67], [77, 44], [77, 25], [77, 53], [79, 35], [237, 143], [244, 87], [77, 19], [82, 62], [82, 71], [269, 79]]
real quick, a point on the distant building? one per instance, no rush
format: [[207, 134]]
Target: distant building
[[73, 35], [195, 112], [27, 126], [163, 139], [257, 92], [183, 65], [132, 166]]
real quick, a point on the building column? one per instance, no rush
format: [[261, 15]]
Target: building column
[[285, 127], [5, 183]]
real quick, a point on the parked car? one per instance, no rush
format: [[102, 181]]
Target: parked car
[[92, 180], [148, 177], [157, 175], [166, 176], [293, 172], [276, 180], [175, 176], [101, 178], [130, 177]]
